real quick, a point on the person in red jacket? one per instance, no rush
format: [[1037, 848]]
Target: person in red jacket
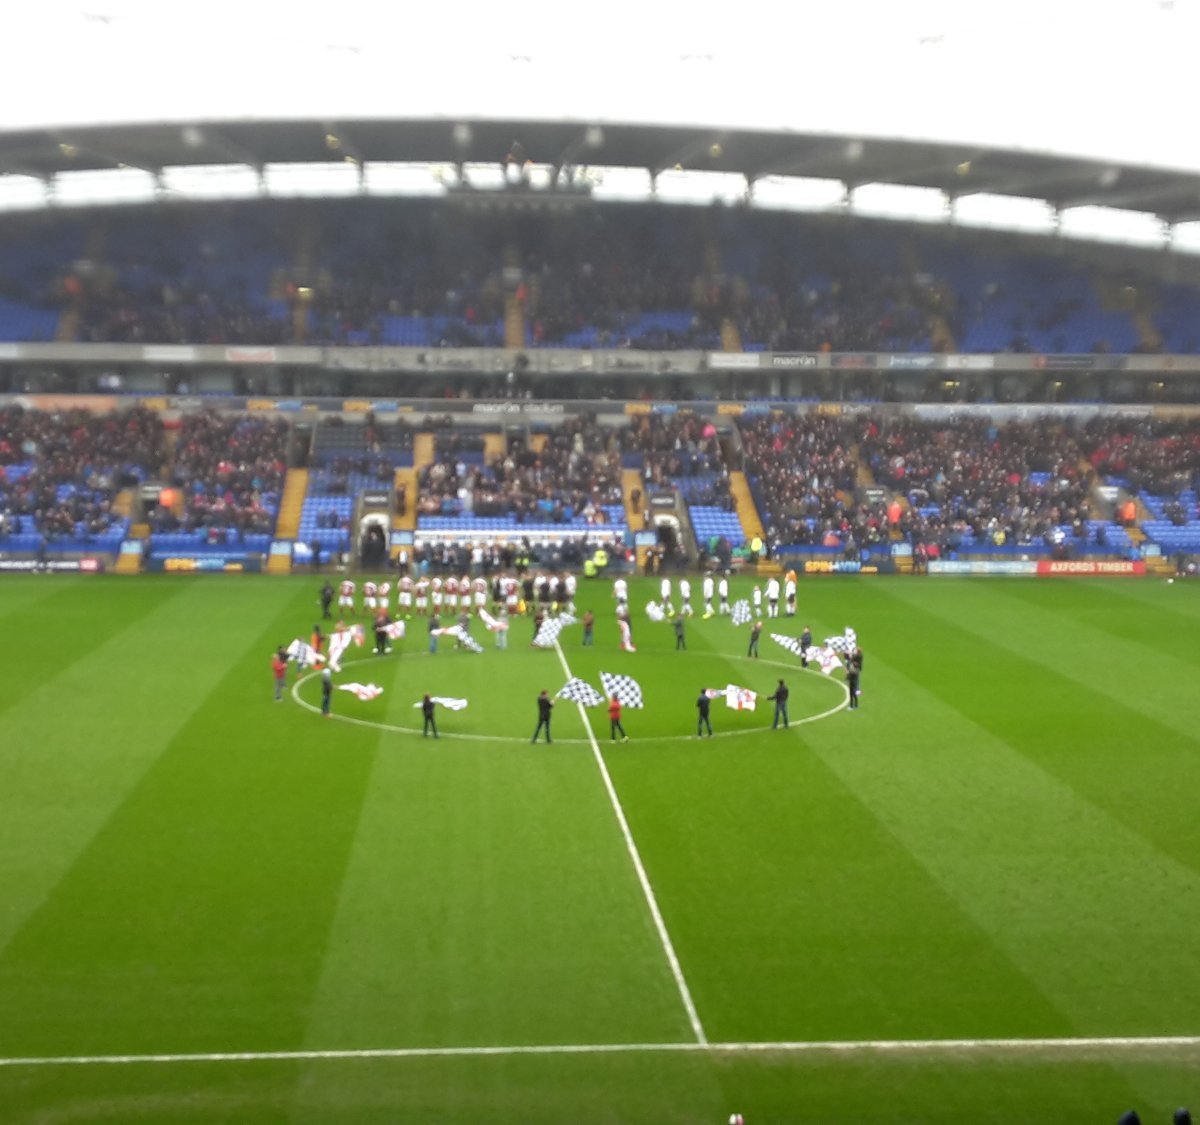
[[279, 670], [614, 719]]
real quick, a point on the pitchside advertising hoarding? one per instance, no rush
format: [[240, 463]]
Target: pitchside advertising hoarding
[[1040, 568], [76, 566], [195, 564]]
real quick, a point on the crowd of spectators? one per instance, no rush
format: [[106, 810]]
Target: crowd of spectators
[[572, 476], [973, 479], [61, 471], [803, 475], [680, 451], [230, 472], [1158, 456], [341, 272]]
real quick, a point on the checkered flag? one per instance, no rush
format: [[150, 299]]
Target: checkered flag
[[625, 688], [741, 612], [551, 627], [792, 644], [580, 691], [845, 644], [655, 612], [461, 635]]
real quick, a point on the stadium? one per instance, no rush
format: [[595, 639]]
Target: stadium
[[789, 419]]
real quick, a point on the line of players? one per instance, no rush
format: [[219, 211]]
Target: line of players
[[720, 587], [424, 596]]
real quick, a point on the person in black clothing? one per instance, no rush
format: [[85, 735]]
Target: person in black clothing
[[680, 642], [326, 599], [702, 708], [326, 693], [853, 672], [545, 705], [805, 645], [755, 633], [780, 697], [427, 709]]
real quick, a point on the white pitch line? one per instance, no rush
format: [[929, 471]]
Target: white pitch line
[[685, 993], [850, 1046]]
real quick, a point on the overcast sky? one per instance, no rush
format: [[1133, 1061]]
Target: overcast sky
[[1111, 79]]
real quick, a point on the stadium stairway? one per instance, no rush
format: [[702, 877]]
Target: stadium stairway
[[731, 338], [407, 520], [514, 323], [538, 442], [747, 510], [291, 503], [632, 479], [422, 451], [495, 446], [123, 504], [864, 478]]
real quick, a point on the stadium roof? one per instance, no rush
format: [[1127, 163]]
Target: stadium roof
[[1064, 104], [955, 169]]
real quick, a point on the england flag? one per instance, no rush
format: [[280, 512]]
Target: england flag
[[625, 688], [655, 612], [494, 625], [741, 612], [362, 691], [827, 660], [340, 641], [551, 627], [740, 698], [394, 631], [580, 691]]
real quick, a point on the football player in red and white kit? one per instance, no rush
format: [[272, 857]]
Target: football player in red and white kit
[[451, 588], [369, 589], [422, 589], [436, 596], [404, 599], [512, 594], [479, 588], [346, 595], [464, 593], [383, 594]]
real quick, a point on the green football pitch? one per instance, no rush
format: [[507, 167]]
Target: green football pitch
[[977, 898]]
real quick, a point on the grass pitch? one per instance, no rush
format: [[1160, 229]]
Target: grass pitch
[[977, 897]]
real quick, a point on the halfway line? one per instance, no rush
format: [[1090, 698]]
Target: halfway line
[[652, 902], [851, 1046]]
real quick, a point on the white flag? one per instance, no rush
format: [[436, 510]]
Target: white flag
[[625, 688], [446, 701], [741, 611], [655, 612], [363, 691], [395, 630], [740, 698], [827, 660], [580, 691], [340, 641]]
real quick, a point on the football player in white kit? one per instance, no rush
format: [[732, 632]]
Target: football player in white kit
[[621, 593], [685, 598], [789, 593], [723, 594], [756, 597], [569, 592], [772, 596], [665, 588], [708, 596]]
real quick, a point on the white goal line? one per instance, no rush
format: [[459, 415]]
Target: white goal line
[[1082, 1045]]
